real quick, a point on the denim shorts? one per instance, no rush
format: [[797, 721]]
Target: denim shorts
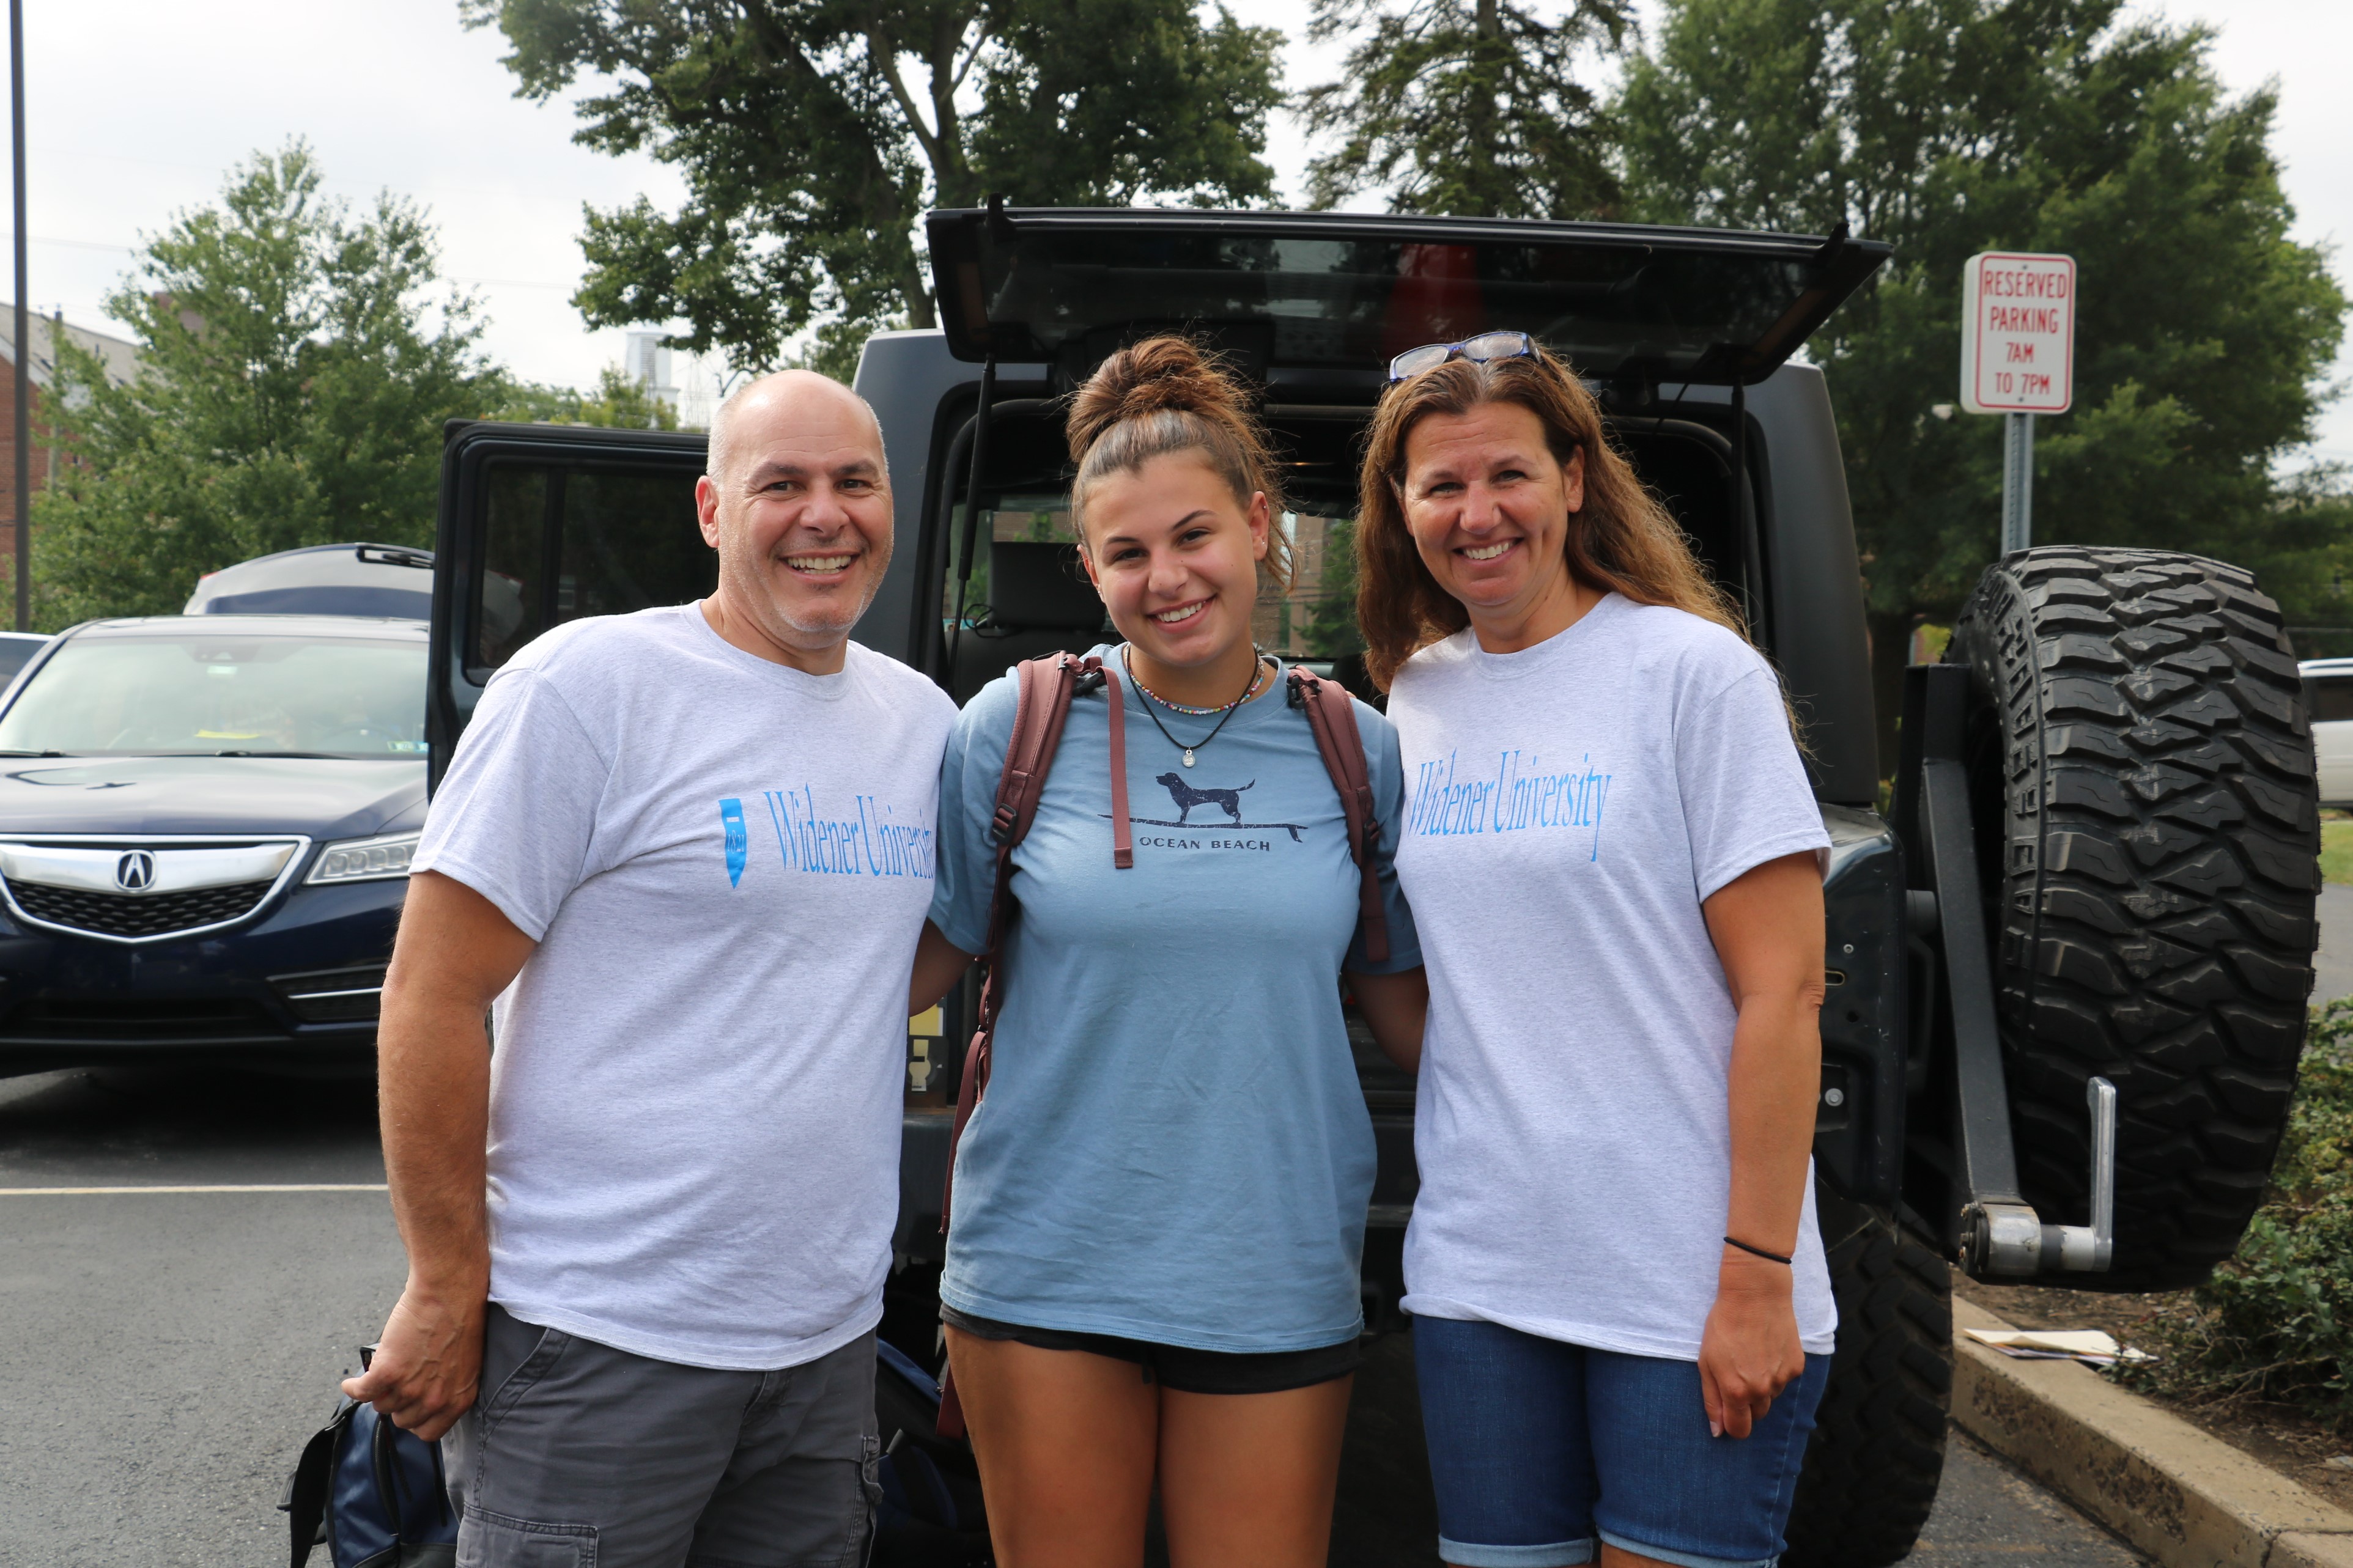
[[1540, 1450]]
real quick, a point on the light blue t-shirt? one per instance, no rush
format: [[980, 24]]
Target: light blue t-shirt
[[1174, 1146]]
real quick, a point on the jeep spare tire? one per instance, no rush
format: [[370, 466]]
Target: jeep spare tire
[[2149, 833]]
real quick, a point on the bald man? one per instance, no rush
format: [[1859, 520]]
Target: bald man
[[683, 855]]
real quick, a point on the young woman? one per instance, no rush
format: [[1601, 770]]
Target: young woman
[[1622, 1321], [1151, 1272]]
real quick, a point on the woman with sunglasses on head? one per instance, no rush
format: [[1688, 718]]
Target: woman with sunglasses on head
[[1622, 1318], [1159, 1202]]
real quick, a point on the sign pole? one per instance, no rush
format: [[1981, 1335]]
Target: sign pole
[[2017, 482]]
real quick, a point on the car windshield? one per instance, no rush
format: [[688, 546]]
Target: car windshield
[[223, 693]]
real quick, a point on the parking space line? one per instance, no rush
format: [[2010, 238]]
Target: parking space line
[[283, 1187]]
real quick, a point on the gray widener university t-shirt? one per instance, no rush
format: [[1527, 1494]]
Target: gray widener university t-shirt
[[1568, 809], [695, 1092]]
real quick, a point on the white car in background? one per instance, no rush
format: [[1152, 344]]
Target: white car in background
[[2329, 697]]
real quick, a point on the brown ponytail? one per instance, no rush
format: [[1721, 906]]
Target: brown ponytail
[[1164, 395]]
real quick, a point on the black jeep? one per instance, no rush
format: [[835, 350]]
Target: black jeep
[[2067, 979]]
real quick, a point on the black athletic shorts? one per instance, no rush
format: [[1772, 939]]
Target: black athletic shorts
[[1179, 1368]]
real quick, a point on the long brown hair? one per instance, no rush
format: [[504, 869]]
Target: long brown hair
[[1168, 395], [1622, 537]]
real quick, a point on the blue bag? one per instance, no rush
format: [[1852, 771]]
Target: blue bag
[[374, 1494], [930, 1515]]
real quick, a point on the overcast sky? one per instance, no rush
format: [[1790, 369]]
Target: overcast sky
[[137, 108]]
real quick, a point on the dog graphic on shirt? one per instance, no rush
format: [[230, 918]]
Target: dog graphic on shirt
[[1186, 797]]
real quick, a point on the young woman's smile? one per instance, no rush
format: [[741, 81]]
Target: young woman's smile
[[1175, 556]]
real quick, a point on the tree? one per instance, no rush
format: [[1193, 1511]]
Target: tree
[[298, 366], [1955, 126], [619, 402], [1332, 631], [813, 136], [1466, 108]]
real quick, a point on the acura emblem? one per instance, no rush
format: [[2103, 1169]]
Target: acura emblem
[[135, 872]]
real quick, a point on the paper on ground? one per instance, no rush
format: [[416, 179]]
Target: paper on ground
[[2071, 1344]]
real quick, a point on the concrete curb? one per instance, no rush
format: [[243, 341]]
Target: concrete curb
[[2188, 1499]]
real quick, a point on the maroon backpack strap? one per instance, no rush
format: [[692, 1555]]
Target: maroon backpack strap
[[1123, 839], [1332, 718], [1045, 688]]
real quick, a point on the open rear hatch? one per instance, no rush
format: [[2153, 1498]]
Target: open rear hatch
[[1316, 303], [1313, 306]]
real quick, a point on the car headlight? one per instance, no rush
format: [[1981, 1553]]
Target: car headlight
[[366, 860]]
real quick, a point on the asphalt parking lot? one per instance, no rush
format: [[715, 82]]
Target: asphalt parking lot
[[165, 1353]]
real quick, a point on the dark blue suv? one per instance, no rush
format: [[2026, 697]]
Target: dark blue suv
[[205, 825]]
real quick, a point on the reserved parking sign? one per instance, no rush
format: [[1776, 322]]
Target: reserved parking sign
[[2017, 333]]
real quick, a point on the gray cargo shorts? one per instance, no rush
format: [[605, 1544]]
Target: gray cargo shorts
[[579, 1456]]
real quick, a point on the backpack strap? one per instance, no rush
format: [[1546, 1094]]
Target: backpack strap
[[305, 1504], [1122, 841], [1332, 718], [1045, 690]]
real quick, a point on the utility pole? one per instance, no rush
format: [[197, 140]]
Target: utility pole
[[24, 355]]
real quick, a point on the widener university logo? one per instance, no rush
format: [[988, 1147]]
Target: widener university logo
[[868, 837], [1523, 795]]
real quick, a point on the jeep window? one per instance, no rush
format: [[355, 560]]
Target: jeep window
[[559, 544], [224, 693], [1032, 535], [1030, 595]]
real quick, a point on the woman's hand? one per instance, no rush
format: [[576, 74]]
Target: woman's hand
[[1749, 1350], [1767, 928]]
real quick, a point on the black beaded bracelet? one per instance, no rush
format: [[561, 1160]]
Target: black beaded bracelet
[[1759, 1251]]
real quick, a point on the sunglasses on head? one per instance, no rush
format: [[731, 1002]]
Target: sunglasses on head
[[1479, 350]]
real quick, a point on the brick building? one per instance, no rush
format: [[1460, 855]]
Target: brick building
[[121, 360], [1280, 621]]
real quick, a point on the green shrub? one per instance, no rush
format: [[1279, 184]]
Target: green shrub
[[2275, 1322]]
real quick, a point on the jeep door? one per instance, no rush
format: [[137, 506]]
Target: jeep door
[[542, 524]]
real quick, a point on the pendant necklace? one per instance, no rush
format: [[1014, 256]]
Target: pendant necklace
[[1226, 712]]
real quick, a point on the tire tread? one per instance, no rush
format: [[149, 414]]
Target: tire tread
[[1877, 1453], [2148, 829]]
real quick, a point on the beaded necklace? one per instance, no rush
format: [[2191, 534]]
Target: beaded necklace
[[1258, 673]]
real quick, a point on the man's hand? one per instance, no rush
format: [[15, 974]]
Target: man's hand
[[456, 952], [1750, 1351], [426, 1371]]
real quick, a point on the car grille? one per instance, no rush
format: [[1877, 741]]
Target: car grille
[[136, 914], [163, 1019]]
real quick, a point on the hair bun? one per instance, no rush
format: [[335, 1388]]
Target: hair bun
[[1162, 374]]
